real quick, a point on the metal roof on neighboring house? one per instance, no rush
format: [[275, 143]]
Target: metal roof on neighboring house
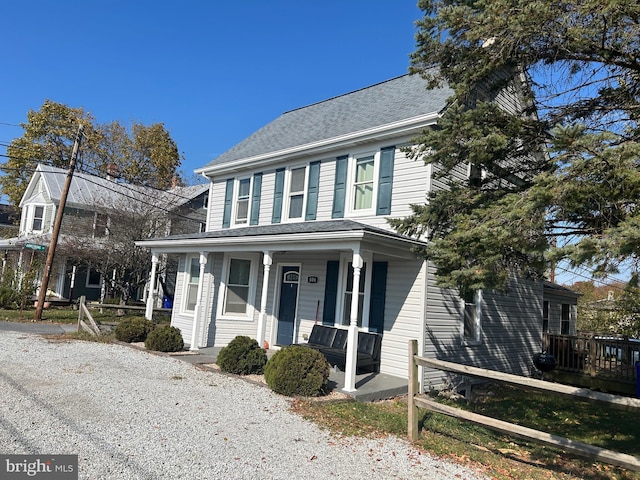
[[382, 104], [89, 189]]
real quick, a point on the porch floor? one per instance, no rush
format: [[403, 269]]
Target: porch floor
[[369, 386]]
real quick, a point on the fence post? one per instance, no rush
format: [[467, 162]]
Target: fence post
[[81, 302], [593, 355], [412, 427]]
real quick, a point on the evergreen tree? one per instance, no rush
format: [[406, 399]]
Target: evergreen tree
[[556, 176]]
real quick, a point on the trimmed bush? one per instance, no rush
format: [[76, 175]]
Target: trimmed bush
[[133, 329], [242, 356], [164, 339], [297, 370], [9, 298]]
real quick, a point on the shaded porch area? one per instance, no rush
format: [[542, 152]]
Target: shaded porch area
[[369, 386]]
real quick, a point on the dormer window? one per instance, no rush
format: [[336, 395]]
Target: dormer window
[[38, 218]]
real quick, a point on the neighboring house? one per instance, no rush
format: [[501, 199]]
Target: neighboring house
[[299, 236], [559, 310], [93, 203]]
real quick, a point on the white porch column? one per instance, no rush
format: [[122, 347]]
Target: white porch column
[[148, 313], [352, 337], [267, 260], [197, 310]]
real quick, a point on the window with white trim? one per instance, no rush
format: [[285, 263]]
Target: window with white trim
[[192, 278], [296, 193], [239, 279], [100, 225], [38, 218], [363, 183], [471, 328], [243, 200]]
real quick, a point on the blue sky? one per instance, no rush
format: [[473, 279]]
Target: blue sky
[[213, 72]]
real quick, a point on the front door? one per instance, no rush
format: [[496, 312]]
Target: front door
[[288, 302]]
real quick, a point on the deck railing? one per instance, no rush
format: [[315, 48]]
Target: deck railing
[[606, 356]]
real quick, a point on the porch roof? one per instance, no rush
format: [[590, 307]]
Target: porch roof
[[315, 235]]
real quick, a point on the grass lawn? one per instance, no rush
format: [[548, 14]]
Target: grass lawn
[[496, 454]]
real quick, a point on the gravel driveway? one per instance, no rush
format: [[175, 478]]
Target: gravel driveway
[[129, 414]]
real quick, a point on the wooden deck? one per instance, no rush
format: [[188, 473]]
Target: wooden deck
[[604, 362]]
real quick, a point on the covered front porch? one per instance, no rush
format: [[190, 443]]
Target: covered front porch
[[301, 257], [370, 387]]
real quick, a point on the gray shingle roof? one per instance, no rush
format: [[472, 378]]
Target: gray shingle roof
[[392, 101], [327, 226]]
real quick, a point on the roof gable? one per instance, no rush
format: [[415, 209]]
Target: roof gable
[[385, 103]]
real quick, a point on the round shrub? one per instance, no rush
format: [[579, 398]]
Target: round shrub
[[164, 339], [297, 370], [242, 356], [133, 329]]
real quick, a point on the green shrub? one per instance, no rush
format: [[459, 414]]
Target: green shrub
[[9, 298], [133, 329], [164, 339], [242, 356], [297, 370]]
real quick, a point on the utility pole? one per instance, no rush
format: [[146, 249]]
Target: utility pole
[[56, 227]]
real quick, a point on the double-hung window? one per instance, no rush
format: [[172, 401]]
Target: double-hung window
[[363, 183], [192, 278], [296, 197], [242, 201], [239, 279], [38, 218], [471, 303], [100, 225]]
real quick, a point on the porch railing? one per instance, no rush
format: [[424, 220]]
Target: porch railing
[[606, 356]]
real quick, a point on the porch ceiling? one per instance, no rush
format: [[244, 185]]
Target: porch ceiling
[[301, 236]]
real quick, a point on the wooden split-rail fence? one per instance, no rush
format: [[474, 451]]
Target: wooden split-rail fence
[[416, 399]]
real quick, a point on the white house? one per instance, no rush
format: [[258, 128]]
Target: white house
[[298, 235], [93, 205]]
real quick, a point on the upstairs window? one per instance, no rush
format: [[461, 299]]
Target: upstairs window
[[242, 201], [38, 218], [100, 225], [363, 184], [296, 192]]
